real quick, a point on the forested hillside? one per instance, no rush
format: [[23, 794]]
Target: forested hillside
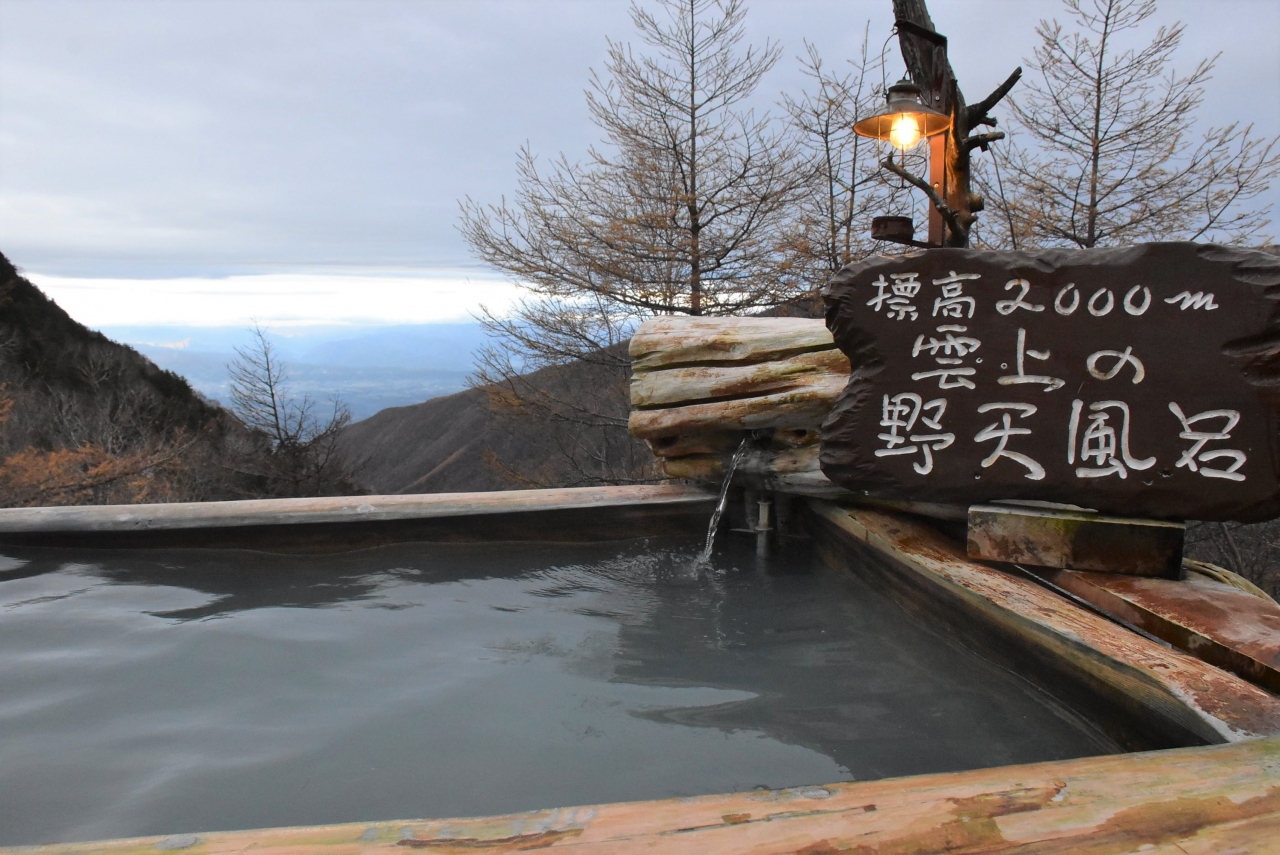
[[85, 420]]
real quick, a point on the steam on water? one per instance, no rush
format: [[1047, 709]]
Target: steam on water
[[724, 500]]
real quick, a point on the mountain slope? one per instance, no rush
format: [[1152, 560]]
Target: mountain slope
[[84, 419], [570, 432]]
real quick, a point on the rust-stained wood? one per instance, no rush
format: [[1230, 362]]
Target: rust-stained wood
[[1078, 540], [353, 522], [1218, 623], [1216, 799], [1147, 695]]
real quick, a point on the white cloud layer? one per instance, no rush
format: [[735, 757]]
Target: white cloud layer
[[281, 299], [148, 140]]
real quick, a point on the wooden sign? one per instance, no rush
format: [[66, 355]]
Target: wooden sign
[[1139, 381]]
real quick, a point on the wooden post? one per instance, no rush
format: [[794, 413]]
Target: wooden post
[[938, 181], [925, 54]]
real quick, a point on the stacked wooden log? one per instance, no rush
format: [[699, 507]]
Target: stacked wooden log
[[700, 385]]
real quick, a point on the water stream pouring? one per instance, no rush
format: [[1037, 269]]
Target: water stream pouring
[[724, 500]]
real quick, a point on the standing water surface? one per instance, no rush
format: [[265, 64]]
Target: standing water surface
[[194, 690]]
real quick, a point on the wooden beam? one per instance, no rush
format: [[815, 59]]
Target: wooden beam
[[699, 385], [1050, 640], [668, 342], [261, 512], [1224, 626], [1200, 800], [1078, 540], [650, 389], [356, 522]]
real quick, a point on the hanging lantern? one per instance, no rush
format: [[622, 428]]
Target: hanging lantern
[[905, 119]]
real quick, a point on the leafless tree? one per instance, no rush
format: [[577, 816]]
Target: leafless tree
[[1106, 149], [680, 210], [841, 185], [302, 438]]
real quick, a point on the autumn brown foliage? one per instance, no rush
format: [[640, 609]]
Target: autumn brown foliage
[[87, 420]]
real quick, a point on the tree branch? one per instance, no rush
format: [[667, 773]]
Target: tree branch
[[948, 214], [976, 114], [982, 140]]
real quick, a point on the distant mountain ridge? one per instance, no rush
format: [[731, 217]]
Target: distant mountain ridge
[[370, 368]]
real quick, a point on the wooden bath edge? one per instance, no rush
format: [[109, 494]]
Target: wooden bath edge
[[335, 509], [1150, 695], [1206, 799], [342, 524], [1190, 801]]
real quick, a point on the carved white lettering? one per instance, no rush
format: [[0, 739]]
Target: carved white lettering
[[949, 351], [1198, 300], [1195, 457], [899, 415], [1122, 358], [1100, 443], [1008, 307], [1062, 307], [1002, 431], [895, 297], [954, 303], [1098, 310], [1049, 383], [1132, 307]]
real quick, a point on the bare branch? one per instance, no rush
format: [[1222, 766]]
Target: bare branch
[[978, 114]]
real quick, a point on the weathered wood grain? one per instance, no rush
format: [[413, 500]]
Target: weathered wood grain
[[673, 386], [1151, 682], [701, 385], [190, 515], [346, 523], [804, 406], [1222, 625], [693, 376], [1205, 800], [669, 342]]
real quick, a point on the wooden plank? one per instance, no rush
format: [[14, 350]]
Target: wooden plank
[[682, 445], [263, 512], [1186, 800], [803, 407], [1212, 621], [762, 462], [1078, 540], [672, 341], [1175, 692], [701, 383]]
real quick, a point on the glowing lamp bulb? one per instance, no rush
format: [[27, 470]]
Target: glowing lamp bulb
[[905, 132]]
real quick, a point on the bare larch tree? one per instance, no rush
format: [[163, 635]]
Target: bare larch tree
[[302, 456], [1107, 151], [679, 210], [841, 187]]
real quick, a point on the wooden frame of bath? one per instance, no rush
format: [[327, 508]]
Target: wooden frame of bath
[[1219, 786]]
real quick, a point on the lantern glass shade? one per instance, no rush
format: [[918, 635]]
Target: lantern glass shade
[[905, 119]]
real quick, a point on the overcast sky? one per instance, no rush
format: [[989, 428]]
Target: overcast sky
[[316, 151]]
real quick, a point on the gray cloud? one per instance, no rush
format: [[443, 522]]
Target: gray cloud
[[208, 137]]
